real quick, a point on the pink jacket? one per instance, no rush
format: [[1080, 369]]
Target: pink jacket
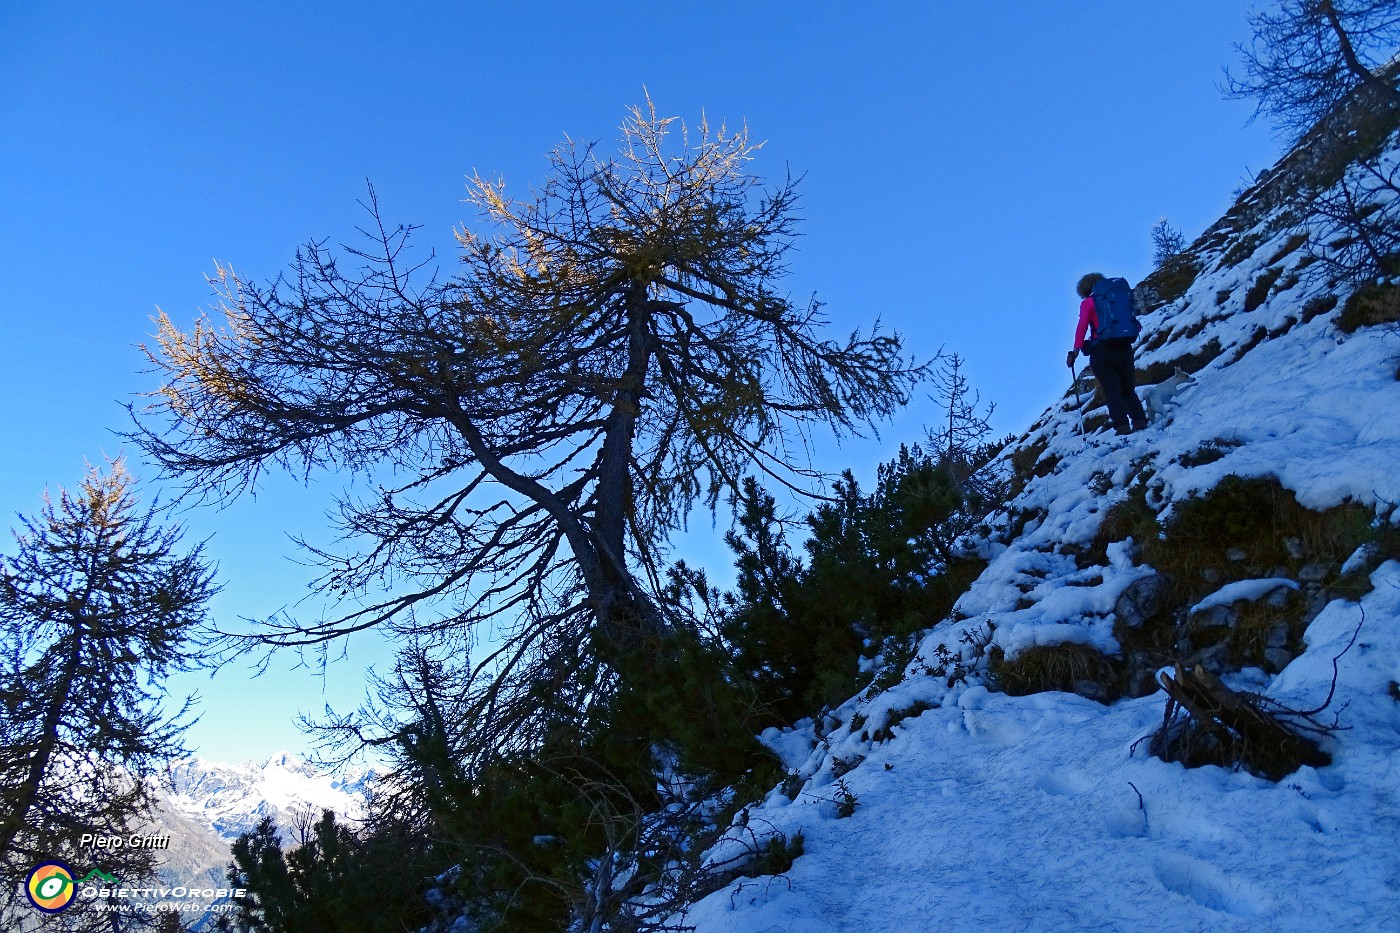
[[1087, 318]]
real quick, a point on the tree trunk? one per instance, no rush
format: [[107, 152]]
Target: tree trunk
[[624, 612], [1364, 75], [39, 762]]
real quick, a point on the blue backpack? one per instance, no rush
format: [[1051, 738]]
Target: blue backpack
[[1113, 304]]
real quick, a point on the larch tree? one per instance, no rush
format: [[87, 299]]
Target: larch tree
[[1309, 56], [614, 350], [1326, 71], [1168, 245], [97, 604]]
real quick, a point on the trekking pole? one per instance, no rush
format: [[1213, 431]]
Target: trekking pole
[[1074, 385], [1078, 402]]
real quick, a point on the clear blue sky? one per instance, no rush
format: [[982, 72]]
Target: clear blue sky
[[963, 163]]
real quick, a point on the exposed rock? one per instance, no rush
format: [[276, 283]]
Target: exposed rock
[[1313, 573], [1294, 547], [1214, 658], [1277, 658], [1215, 617], [1317, 601], [1092, 690], [1146, 298], [1210, 575], [1142, 674], [1278, 635], [1141, 600], [1236, 554]]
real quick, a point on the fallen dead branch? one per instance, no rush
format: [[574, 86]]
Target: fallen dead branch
[[1207, 723]]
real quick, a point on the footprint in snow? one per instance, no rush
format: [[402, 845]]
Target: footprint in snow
[[1125, 822], [1065, 783], [1210, 887]]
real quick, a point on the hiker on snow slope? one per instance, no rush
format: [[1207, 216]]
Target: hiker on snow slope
[[1106, 315]]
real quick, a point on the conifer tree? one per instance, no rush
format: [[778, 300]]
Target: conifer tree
[[615, 350], [97, 605], [1326, 72], [1308, 56], [333, 879], [1168, 243]]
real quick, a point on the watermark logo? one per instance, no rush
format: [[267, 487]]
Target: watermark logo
[[51, 886]]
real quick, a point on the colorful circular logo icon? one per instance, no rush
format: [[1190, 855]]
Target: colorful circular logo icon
[[50, 887]]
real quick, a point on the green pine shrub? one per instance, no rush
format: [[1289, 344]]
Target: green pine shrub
[[798, 654], [335, 878], [532, 829], [880, 566], [1209, 452], [777, 854], [532, 824], [686, 698]]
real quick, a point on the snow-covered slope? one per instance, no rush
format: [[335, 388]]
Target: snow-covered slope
[[1046, 812]]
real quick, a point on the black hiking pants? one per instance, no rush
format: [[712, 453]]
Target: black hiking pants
[[1112, 363]]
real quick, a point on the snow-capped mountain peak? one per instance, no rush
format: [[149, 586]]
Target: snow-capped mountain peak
[[231, 799]]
